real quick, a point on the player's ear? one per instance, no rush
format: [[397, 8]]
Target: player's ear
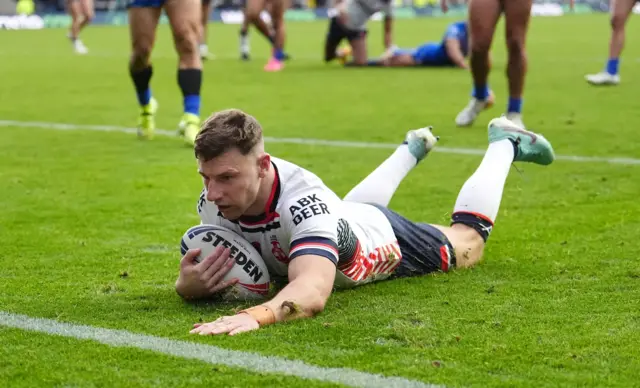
[[264, 163]]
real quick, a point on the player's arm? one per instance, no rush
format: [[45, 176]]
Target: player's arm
[[388, 31], [388, 26], [340, 9], [313, 254], [454, 51], [310, 284]]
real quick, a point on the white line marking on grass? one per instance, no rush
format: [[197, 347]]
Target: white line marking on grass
[[259, 56], [314, 142], [207, 353]]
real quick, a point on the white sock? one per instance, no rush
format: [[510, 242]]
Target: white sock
[[204, 48], [244, 44], [379, 186], [482, 192]]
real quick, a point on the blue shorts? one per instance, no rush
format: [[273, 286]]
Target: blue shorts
[[424, 248], [145, 3], [431, 54]]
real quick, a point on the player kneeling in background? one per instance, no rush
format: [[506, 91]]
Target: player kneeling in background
[[351, 23], [323, 241]]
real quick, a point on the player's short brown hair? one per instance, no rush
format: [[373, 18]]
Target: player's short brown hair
[[225, 130]]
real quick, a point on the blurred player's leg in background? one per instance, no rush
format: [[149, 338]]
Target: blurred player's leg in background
[[82, 13], [278, 8], [207, 5], [483, 17], [261, 25], [620, 11], [245, 49], [184, 18], [335, 34], [517, 15], [359, 48], [143, 20], [252, 12]]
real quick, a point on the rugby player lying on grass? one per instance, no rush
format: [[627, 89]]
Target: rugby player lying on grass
[[344, 242], [451, 51]]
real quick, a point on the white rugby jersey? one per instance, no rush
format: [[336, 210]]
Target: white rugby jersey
[[360, 11], [304, 217]]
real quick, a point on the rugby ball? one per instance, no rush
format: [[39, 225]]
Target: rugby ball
[[249, 266]]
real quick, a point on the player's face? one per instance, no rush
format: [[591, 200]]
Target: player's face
[[232, 181]]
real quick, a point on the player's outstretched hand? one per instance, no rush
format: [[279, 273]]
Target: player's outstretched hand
[[233, 325], [199, 280]]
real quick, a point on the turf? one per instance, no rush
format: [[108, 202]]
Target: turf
[[91, 221]]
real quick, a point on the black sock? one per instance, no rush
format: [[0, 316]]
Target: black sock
[[141, 79], [190, 81], [481, 225]]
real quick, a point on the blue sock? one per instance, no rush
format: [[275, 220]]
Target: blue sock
[[278, 54], [480, 92], [515, 105], [144, 96], [190, 81], [192, 104], [612, 66]]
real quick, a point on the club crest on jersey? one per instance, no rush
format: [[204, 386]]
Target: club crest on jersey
[[307, 207], [277, 251]]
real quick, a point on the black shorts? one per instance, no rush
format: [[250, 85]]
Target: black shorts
[[424, 248], [337, 32]]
